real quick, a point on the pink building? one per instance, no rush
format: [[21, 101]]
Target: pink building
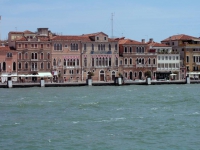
[[8, 63]]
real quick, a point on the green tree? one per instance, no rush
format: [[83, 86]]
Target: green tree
[[147, 74]]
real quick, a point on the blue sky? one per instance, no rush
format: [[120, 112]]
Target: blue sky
[[135, 19]]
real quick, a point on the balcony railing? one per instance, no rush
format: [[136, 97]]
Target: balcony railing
[[71, 67], [145, 65], [34, 69]]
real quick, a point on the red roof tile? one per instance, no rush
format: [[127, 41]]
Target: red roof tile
[[130, 42], [155, 44], [179, 37]]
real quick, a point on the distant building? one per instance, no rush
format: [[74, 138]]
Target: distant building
[[136, 58], [34, 51], [189, 49], [8, 63]]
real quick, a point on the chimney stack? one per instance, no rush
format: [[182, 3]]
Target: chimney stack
[[151, 40], [143, 40]]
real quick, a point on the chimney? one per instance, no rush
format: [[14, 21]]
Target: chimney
[[143, 40], [151, 40]]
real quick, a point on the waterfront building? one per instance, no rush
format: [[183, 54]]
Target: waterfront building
[[189, 49], [8, 63], [136, 59], [168, 61], [100, 55], [74, 57], [66, 58], [34, 52]]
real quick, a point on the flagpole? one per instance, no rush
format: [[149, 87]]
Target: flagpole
[[0, 28]]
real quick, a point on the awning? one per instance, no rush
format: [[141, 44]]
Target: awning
[[173, 74], [193, 73], [44, 74]]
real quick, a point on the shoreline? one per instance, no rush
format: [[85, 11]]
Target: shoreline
[[73, 84]]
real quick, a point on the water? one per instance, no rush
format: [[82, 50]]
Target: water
[[114, 118]]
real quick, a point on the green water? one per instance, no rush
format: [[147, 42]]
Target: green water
[[101, 118]]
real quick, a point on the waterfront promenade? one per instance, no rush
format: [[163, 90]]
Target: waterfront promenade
[[95, 83]]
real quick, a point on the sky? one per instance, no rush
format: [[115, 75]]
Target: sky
[[133, 19]]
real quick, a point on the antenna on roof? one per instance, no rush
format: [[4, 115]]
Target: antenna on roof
[[112, 14]]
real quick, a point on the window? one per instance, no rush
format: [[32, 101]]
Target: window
[[48, 65], [92, 62], [115, 46], [19, 65], [77, 62], [42, 65], [85, 62], [34, 56], [54, 62], [42, 55], [104, 38], [47, 45], [109, 47], [65, 45], [48, 55], [187, 59], [9, 55], [64, 62], [125, 61], [158, 57], [14, 66], [26, 65], [26, 56], [98, 46], [20, 56], [109, 61], [116, 61], [19, 45], [130, 61], [97, 38], [170, 58], [149, 61], [154, 61], [166, 57], [84, 47], [4, 66], [25, 46], [92, 46], [125, 50], [130, 49]]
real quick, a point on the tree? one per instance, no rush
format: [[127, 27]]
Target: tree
[[90, 74], [147, 74]]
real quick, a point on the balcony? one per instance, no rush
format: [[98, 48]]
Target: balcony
[[34, 69], [71, 67], [34, 59], [145, 65], [101, 52]]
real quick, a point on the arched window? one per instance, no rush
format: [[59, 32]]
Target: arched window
[[125, 50], [130, 49], [125, 61], [103, 61], [98, 46], [77, 62], [20, 65], [26, 55], [42, 65], [20, 55], [54, 62], [116, 61], [4, 66], [149, 61], [104, 47], [57, 47], [76, 46], [59, 62], [97, 62], [101, 47], [92, 46], [26, 65], [154, 61], [140, 50], [92, 62], [143, 61], [35, 55], [64, 62], [71, 46], [14, 66], [60, 47], [109, 47], [130, 61], [54, 46], [42, 55], [85, 62], [32, 56], [48, 55], [48, 65]]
